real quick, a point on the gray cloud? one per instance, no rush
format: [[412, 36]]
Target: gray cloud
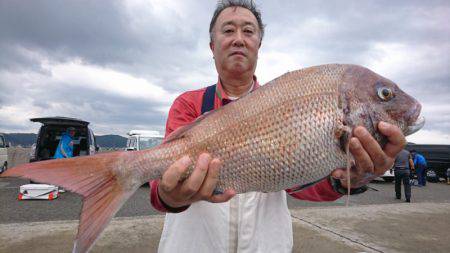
[[166, 43], [105, 34]]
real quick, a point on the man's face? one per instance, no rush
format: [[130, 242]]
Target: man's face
[[72, 133], [236, 41]]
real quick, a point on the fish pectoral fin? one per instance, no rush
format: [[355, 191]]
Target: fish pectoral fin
[[343, 134]]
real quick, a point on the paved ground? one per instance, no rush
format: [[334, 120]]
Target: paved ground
[[374, 222], [417, 227], [68, 205], [388, 226]]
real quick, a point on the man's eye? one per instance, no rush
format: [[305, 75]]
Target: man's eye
[[228, 31], [248, 31]]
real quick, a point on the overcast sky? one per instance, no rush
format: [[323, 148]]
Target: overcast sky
[[120, 64]]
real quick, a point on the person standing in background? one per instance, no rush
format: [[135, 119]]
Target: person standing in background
[[402, 172], [420, 164], [65, 146]]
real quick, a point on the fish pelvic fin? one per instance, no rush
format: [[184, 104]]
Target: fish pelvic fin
[[94, 178]]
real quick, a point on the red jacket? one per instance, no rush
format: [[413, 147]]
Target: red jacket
[[187, 107]]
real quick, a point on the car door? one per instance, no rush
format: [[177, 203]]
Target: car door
[[132, 143], [93, 148]]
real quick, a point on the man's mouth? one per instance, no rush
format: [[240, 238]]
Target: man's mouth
[[237, 53]]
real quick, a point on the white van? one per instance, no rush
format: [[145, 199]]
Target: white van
[[3, 154], [143, 139], [388, 175]]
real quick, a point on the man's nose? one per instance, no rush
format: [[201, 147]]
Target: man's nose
[[238, 39]]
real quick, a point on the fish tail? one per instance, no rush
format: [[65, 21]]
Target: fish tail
[[94, 178]]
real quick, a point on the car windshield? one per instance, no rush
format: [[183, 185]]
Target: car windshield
[[149, 142], [2, 142]]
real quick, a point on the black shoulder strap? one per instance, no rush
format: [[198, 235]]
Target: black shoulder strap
[[208, 99]]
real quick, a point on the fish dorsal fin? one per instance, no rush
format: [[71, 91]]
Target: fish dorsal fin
[[181, 131]]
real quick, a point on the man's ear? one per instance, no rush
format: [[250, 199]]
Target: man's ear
[[211, 46]]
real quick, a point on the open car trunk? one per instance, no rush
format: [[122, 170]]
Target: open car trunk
[[51, 132], [50, 136]]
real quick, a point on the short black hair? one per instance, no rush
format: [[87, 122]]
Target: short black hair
[[247, 4]]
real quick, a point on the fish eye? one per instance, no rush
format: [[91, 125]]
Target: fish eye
[[385, 93]]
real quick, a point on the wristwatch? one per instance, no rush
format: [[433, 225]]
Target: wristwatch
[[337, 187]]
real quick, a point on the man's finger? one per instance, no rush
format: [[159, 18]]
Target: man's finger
[[224, 197], [395, 136], [192, 184], [373, 149], [173, 174], [211, 179], [356, 175], [362, 158], [338, 173]]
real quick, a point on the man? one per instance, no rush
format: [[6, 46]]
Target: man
[[420, 164], [401, 173], [65, 146], [255, 221]]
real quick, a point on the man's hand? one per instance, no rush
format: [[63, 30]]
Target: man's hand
[[370, 159], [198, 186]]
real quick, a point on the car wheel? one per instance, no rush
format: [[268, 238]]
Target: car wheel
[[4, 167]]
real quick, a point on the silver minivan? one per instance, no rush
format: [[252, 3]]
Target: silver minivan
[[3, 153]]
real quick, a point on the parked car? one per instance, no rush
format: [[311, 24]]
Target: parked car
[[143, 139], [50, 134], [438, 159], [388, 176], [3, 153]]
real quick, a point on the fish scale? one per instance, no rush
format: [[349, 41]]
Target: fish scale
[[292, 131], [267, 154]]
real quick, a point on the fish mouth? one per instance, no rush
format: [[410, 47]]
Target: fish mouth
[[416, 126]]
